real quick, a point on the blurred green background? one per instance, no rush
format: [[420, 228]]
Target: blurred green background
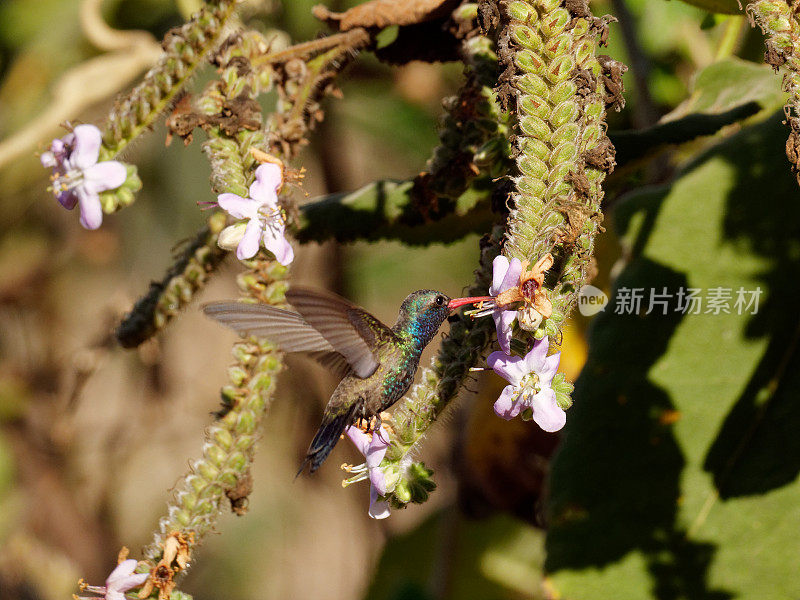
[[93, 437]]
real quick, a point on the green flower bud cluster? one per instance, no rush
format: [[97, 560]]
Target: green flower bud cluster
[[185, 49], [124, 195], [188, 274], [440, 383], [555, 82], [415, 486], [232, 165], [474, 134], [230, 441], [778, 21], [243, 52], [235, 123]]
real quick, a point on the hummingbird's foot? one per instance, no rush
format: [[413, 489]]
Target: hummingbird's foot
[[375, 422]]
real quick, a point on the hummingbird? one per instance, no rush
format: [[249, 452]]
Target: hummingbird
[[377, 363]]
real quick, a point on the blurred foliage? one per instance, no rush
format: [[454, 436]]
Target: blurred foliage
[[728, 83], [448, 556], [678, 447]]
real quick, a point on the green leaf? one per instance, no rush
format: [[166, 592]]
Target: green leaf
[[677, 477], [637, 145], [385, 210], [730, 83], [447, 556]]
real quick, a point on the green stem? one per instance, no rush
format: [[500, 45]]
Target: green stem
[[230, 442], [730, 36]]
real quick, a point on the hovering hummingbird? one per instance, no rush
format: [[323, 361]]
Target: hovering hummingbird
[[377, 362]]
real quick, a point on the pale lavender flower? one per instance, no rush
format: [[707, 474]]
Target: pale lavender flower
[[121, 579], [77, 177], [505, 275], [530, 378], [265, 222], [373, 447]]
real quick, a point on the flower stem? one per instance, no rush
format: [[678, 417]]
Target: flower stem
[[187, 275], [731, 35], [185, 50], [230, 442]]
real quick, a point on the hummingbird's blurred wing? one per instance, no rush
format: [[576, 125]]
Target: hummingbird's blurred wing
[[333, 361], [351, 330], [287, 329]]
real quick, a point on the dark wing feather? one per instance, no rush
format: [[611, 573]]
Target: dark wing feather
[[351, 331], [333, 361], [287, 329]]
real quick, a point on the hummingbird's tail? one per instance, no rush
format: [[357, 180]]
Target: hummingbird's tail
[[329, 432]]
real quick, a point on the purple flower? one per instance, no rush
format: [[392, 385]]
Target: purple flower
[[530, 378], [77, 176], [265, 222], [121, 579], [505, 275], [373, 447]]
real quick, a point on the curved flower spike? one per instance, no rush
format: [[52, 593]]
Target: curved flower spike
[[121, 579], [530, 378], [265, 222], [77, 177], [373, 447]]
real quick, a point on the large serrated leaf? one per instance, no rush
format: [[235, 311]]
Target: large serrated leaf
[[728, 84], [677, 477]]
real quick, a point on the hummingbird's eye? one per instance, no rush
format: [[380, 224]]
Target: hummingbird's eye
[[439, 300]]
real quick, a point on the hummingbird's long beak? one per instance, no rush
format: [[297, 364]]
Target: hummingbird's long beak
[[457, 302]]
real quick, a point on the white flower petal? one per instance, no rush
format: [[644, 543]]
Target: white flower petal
[[359, 438], [107, 175], [264, 189], [510, 368], [499, 269], [535, 359], [91, 210], [377, 450], [48, 159], [511, 278], [86, 147], [275, 242], [238, 207], [503, 319], [121, 571], [507, 406], [378, 509], [248, 246], [546, 411], [549, 369]]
